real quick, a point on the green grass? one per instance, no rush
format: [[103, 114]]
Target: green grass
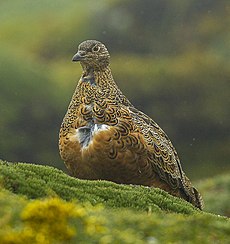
[[34, 198], [36, 181]]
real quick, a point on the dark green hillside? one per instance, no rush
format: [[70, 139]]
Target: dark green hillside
[[216, 193]]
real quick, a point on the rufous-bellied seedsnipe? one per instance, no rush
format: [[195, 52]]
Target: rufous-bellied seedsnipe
[[103, 136]]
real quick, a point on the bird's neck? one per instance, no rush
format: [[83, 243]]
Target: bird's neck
[[100, 76]]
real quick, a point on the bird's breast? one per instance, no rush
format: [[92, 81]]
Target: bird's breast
[[88, 78], [85, 134]]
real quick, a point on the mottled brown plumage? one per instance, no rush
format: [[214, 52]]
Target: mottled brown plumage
[[103, 136]]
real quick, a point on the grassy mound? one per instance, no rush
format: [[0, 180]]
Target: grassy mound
[[50, 207], [36, 181]]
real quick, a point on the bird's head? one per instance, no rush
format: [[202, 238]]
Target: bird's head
[[92, 54]]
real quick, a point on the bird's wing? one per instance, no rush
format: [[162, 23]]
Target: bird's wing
[[161, 153]]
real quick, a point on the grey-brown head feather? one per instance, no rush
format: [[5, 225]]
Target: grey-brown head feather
[[92, 53]]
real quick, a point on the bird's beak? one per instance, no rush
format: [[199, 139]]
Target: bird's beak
[[77, 57]]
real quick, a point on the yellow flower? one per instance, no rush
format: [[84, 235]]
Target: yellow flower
[[49, 219], [54, 220]]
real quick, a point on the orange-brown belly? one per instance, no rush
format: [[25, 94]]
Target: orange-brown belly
[[107, 158]]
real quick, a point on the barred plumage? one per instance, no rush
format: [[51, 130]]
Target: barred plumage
[[103, 136]]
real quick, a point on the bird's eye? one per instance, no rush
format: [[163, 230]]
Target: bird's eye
[[95, 48]]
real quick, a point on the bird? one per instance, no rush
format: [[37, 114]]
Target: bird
[[104, 137]]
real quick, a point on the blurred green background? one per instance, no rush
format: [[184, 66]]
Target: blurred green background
[[170, 58]]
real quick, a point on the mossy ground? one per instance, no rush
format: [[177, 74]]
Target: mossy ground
[[40, 204]]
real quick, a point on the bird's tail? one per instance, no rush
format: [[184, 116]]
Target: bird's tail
[[191, 193], [198, 200]]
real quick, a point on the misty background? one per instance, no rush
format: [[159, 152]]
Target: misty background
[[170, 58]]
